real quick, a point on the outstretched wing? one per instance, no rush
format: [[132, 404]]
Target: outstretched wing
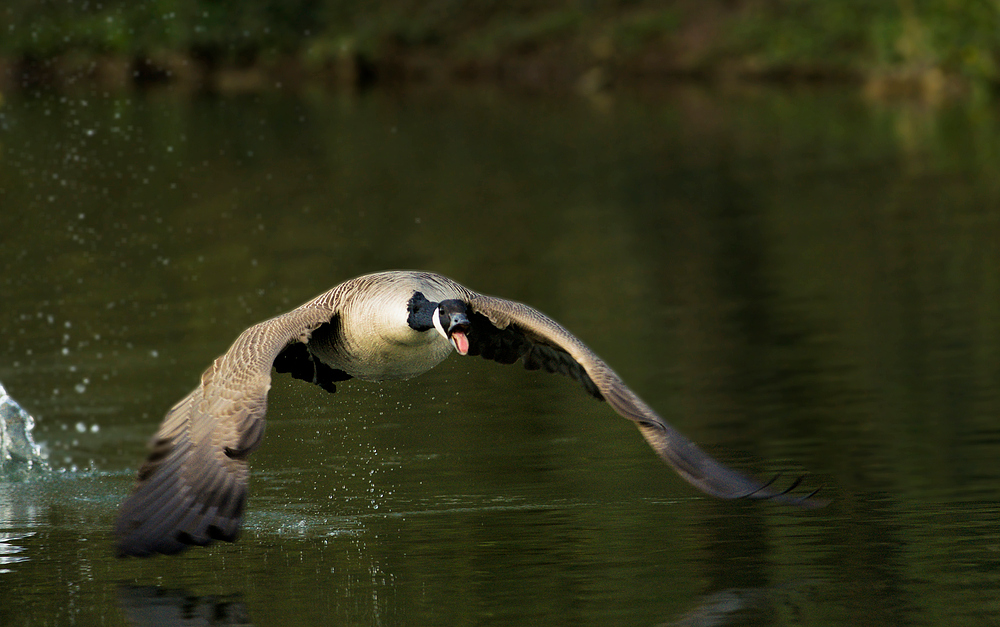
[[192, 488], [506, 331]]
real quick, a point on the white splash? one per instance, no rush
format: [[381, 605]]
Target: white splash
[[17, 448]]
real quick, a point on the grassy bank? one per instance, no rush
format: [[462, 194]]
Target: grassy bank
[[927, 45]]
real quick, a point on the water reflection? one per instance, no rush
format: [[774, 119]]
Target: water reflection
[[9, 551], [19, 514], [153, 606], [725, 607], [16, 514]]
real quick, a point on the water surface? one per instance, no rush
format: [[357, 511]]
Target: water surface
[[801, 282]]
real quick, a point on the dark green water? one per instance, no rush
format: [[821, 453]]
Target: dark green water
[[802, 283]]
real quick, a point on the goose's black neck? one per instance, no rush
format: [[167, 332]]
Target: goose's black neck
[[421, 310]]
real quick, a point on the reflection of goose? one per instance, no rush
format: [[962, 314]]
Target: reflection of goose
[[391, 325], [154, 606]]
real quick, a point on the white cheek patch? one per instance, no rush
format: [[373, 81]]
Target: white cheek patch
[[436, 318]]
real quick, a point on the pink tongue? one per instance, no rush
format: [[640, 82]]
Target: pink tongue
[[461, 342]]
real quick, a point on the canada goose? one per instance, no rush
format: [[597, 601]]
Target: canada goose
[[390, 325]]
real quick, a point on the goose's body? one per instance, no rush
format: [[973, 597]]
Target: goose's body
[[374, 341], [390, 325]]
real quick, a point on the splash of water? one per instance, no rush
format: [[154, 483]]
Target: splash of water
[[17, 448]]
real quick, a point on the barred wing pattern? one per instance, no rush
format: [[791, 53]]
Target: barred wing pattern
[[505, 331], [193, 486]]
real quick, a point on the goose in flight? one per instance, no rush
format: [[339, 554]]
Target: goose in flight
[[192, 488]]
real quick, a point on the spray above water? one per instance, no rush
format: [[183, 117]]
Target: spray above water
[[17, 448]]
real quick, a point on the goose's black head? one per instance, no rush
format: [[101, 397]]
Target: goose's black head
[[450, 317]]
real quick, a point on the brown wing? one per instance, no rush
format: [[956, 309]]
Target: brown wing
[[192, 488], [506, 331]]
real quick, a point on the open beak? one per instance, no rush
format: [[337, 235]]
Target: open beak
[[458, 333]]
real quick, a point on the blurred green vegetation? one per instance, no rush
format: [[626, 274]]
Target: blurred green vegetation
[[859, 38], [957, 36]]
